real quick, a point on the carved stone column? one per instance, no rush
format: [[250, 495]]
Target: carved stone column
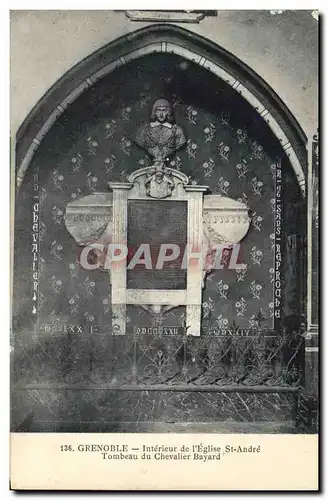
[[195, 259], [307, 410], [118, 269], [312, 334]]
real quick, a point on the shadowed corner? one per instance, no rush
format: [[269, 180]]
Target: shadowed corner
[[26, 424]]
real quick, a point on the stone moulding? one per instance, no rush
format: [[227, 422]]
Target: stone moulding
[[182, 16]]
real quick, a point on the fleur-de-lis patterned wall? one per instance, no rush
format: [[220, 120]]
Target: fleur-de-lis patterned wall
[[229, 148]]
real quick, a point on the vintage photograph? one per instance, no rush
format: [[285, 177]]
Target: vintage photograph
[[165, 235]]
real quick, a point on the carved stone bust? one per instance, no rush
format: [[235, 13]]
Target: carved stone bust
[[161, 137]]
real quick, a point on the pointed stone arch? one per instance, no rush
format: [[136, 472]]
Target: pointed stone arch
[[163, 38]]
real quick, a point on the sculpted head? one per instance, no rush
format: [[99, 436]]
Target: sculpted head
[[161, 111], [159, 175]]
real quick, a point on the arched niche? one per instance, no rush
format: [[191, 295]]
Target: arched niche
[[171, 40], [79, 137]]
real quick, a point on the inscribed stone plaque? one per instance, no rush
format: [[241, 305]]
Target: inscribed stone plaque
[[154, 223]]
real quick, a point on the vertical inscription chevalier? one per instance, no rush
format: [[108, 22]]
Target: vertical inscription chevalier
[[35, 245]]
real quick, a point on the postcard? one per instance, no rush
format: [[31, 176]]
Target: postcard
[[165, 277]]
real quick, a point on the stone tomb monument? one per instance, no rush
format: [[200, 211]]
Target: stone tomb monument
[[157, 206]]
